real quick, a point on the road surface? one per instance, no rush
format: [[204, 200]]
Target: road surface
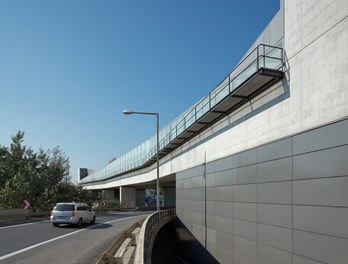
[[41, 242]]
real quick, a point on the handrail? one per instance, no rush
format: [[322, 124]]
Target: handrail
[[262, 57]]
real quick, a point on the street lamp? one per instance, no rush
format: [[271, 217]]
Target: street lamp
[[129, 112]]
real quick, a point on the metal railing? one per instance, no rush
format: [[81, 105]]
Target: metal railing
[[262, 57]]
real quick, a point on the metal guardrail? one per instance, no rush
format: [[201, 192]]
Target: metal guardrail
[[117, 209], [149, 230]]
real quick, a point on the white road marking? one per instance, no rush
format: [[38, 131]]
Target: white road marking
[[12, 226], [56, 238]]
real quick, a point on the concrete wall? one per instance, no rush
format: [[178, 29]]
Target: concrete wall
[[168, 194], [316, 44], [283, 202], [274, 188], [109, 194], [15, 211], [140, 197], [128, 196], [313, 93]]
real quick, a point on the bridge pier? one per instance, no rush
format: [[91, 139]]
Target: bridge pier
[[127, 196], [140, 197], [168, 196]]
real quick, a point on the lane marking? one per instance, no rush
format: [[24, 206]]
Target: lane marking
[[56, 238], [12, 226]]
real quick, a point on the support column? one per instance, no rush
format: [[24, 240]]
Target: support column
[[168, 196], [140, 198], [127, 196], [120, 195], [109, 193]]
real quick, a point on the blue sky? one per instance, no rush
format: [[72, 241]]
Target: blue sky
[[69, 68]]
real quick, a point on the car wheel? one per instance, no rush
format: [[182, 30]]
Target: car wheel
[[54, 224], [79, 223], [93, 220]]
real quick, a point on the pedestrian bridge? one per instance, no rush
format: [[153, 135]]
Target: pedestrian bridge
[[259, 70]]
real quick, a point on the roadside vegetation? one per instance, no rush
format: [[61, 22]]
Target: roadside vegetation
[[42, 177]]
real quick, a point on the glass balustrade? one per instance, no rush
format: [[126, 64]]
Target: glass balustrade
[[263, 56]]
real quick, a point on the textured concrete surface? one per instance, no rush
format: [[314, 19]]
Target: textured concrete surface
[[283, 202]]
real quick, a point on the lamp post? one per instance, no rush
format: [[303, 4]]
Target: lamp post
[[129, 112]]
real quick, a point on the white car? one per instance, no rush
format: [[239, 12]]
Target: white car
[[72, 213]]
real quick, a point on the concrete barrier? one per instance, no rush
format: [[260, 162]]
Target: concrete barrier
[[135, 244], [152, 224], [8, 216], [123, 249]]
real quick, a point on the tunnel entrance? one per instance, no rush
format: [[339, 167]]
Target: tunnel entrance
[[174, 243]]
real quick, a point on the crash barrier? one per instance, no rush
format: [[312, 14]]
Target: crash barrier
[[14, 215], [152, 224], [128, 209], [118, 209], [122, 250]]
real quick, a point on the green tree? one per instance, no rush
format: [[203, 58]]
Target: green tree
[[69, 192], [55, 171], [3, 166], [25, 174], [107, 203], [42, 177], [14, 172]]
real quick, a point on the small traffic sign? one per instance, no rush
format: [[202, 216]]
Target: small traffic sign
[[26, 204]]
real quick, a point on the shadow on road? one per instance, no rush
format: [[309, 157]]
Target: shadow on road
[[100, 226]]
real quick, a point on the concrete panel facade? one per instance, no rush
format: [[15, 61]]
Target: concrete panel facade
[[268, 206]]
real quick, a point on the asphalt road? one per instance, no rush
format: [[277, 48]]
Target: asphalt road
[[41, 242]]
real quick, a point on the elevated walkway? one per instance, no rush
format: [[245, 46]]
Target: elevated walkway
[[259, 70]]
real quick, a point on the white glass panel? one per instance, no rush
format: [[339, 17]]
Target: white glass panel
[[272, 63]]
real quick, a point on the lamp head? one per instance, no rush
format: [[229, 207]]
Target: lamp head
[[127, 112]]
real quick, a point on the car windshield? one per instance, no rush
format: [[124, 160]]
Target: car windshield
[[64, 207]]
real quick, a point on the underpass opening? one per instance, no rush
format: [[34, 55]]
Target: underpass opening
[[174, 243]]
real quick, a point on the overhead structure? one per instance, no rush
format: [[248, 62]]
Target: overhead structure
[[259, 70]]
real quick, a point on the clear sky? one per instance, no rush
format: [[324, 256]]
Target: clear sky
[[69, 68]]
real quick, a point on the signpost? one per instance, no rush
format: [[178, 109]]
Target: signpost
[[26, 204]]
